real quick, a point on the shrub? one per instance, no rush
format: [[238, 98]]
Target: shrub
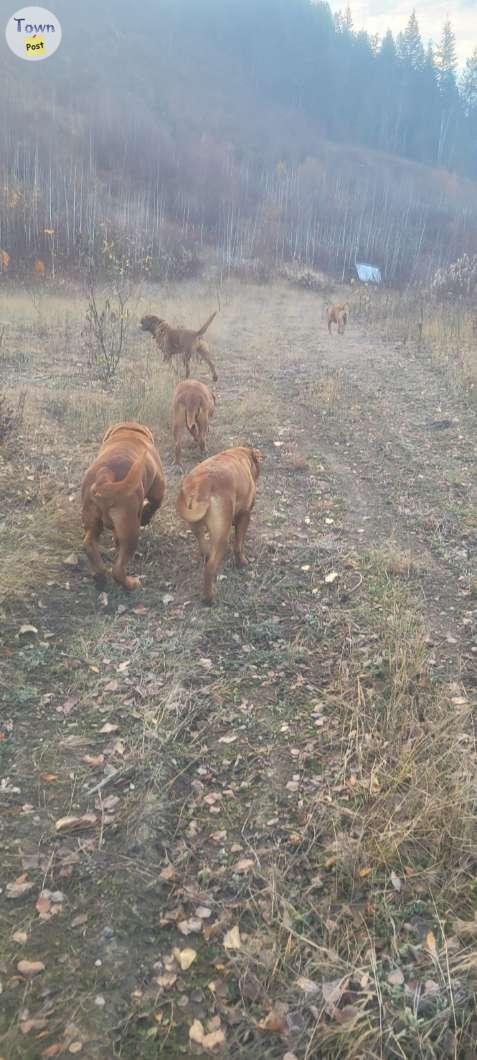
[[104, 331], [459, 279]]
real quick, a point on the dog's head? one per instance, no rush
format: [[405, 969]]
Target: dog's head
[[255, 461], [150, 323]]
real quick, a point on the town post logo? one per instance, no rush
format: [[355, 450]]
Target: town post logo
[[33, 33]]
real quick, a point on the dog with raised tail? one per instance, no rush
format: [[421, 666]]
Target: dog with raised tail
[[217, 494], [193, 404], [180, 342], [121, 491]]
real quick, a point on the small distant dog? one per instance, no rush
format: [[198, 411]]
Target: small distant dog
[[337, 314], [217, 494], [179, 342], [192, 406], [121, 491]]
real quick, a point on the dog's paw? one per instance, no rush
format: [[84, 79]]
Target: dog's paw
[[100, 580], [241, 562], [131, 583]]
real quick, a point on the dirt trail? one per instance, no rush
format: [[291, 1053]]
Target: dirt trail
[[401, 447], [222, 724]]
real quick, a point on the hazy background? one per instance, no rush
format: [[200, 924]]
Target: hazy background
[[377, 16]]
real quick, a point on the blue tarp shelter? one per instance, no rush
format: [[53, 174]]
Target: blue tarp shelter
[[368, 273]]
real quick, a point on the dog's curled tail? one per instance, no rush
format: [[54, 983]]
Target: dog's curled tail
[[207, 324], [106, 489], [191, 508]]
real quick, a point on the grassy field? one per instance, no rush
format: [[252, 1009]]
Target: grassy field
[[273, 848]]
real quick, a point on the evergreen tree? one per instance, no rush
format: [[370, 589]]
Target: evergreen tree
[[410, 45], [447, 62]]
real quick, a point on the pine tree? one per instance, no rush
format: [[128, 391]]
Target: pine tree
[[446, 61], [410, 45]]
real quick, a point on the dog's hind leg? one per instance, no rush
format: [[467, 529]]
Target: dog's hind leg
[[204, 354], [91, 547], [127, 530], [213, 562], [153, 501], [241, 526], [218, 522], [200, 531]]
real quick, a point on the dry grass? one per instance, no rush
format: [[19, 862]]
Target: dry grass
[[444, 330], [298, 726]]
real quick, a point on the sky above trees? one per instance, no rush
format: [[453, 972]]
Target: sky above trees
[[376, 16]]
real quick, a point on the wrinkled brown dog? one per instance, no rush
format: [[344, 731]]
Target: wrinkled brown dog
[[121, 491], [337, 314], [220, 493], [192, 406], [179, 342]]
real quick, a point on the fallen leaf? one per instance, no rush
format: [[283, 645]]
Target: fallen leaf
[[43, 906], [209, 1041], [203, 911], [228, 739], [75, 824], [276, 1021], [30, 968], [20, 937], [93, 760], [109, 803], [168, 873], [78, 921], [48, 778], [431, 943], [166, 979], [196, 1032], [396, 882], [18, 889], [27, 630], [331, 577], [185, 958], [109, 727], [307, 985], [75, 1047], [244, 865], [365, 872], [52, 1050], [112, 686], [395, 978], [29, 1025], [187, 927], [232, 940]]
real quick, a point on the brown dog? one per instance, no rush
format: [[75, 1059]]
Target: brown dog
[[121, 491], [192, 406], [337, 314], [179, 342], [220, 493]]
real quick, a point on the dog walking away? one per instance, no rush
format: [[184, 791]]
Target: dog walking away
[[337, 314], [192, 406], [181, 343], [121, 491], [217, 494]]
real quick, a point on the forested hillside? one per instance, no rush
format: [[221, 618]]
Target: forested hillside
[[266, 127]]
